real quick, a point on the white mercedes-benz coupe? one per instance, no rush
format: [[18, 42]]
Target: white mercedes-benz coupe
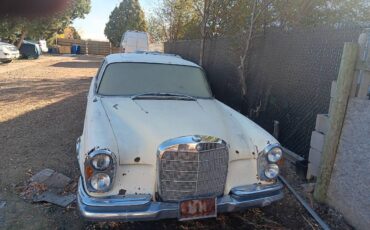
[[156, 144]]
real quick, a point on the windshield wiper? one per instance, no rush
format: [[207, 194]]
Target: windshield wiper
[[163, 96]]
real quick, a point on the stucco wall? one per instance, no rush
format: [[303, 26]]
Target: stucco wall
[[349, 190]]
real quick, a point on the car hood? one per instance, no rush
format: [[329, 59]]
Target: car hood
[[140, 126]]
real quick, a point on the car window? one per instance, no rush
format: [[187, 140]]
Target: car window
[[127, 79]]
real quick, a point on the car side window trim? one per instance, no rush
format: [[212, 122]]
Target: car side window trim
[[99, 76]]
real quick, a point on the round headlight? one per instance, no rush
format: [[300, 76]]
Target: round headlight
[[275, 154], [101, 161], [272, 171], [100, 181]]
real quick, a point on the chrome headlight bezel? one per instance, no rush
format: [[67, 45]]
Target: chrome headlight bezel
[[264, 161], [90, 170], [274, 153], [272, 168]]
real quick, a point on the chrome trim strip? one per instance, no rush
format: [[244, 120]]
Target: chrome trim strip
[[256, 189], [78, 145], [192, 141], [140, 207], [112, 201], [269, 147]]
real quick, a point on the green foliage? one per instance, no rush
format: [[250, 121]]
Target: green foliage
[[45, 27], [182, 19], [127, 16], [9, 29], [156, 29]]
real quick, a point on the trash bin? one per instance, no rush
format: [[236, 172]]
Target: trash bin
[[75, 49]]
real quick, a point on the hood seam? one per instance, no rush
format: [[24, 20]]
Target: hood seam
[[110, 125]]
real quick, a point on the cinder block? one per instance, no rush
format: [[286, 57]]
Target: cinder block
[[322, 123], [333, 90], [312, 171], [314, 156], [314, 159], [317, 140]]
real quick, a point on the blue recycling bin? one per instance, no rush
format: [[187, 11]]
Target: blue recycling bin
[[75, 49]]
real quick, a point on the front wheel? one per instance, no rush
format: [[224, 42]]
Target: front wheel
[[6, 61]]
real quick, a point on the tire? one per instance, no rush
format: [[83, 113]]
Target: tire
[[6, 61]]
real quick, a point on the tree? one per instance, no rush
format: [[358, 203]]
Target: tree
[[68, 33], [203, 30], [71, 33], [16, 29], [157, 29], [127, 16], [180, 19], [9, 30], [252, 24]]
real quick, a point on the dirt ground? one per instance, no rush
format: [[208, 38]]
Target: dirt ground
[[42, 106]]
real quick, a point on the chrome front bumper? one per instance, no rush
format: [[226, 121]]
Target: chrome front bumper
[[141, 208]]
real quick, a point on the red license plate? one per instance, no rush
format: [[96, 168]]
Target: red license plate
[[197, 209]]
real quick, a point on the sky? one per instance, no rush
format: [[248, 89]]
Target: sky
[[92, 26]]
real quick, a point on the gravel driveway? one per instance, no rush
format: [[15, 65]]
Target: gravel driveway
[[42, 104]]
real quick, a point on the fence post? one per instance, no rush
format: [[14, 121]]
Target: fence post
[[86, 47], [336, 118]]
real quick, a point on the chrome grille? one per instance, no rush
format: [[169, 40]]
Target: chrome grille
[[191, 169]]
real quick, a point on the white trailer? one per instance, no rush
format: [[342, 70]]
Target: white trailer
[[133, 41]]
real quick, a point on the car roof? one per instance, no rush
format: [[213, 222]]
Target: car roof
[[148, 57]]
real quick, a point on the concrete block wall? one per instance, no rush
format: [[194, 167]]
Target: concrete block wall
[[322, 123], [318, 138], [317, 144]]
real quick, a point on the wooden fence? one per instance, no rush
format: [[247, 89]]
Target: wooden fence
[[87, 46]]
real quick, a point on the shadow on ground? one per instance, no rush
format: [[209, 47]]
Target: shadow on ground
[[81, 61], [77, 64], [41, 89], [43, 138]]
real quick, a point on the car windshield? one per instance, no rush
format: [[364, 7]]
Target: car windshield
[[129, 79]]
